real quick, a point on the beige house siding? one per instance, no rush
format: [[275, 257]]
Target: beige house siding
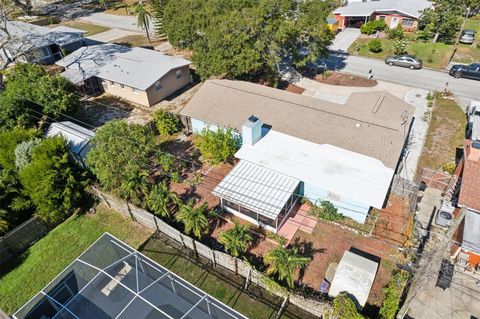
[[151, 96], [170, 84], [125, 92]]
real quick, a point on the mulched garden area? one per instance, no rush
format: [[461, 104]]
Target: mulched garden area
[[337, 78]]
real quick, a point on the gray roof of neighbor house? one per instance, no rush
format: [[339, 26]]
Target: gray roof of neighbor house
[[134, 67], [372, 123], [26, 36], [76, 136], [411, 8]]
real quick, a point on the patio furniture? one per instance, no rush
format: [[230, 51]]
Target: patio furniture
[[463, 260]]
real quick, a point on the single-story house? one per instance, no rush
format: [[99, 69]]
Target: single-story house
[[40, 44], [138, 75], [394, 12], [295, 145], [77, 137], [355, 275]]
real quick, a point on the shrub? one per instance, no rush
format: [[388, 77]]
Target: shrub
[[53, 181], [9, 141], [345, 308], [395, 33], [23, 152], [400, 46], [326, 211], [166, 123], [373, 26], [393, 293], [449, 167], [217, 146], [375, 46]]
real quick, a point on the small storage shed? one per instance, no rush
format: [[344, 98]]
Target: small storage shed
[[355, 275], [77, 137]]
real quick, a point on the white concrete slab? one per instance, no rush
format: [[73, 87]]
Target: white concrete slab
[[344, 39]]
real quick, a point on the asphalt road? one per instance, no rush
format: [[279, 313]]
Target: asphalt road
[[424, 78], [128, 23]]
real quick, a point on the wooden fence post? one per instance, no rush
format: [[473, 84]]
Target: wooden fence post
[[213, 258], [282, 307]]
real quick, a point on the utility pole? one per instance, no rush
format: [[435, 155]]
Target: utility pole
[[463, 26], [429, 266]]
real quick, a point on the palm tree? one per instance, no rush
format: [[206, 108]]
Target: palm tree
[[236, 240], [143, 18], [194, 219], [103, 3], [160, 200], [283, 262]]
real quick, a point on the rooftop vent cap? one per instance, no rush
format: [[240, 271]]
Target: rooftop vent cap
[[357, 125]]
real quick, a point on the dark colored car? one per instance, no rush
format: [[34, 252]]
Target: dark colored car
[[406, 60], [471, 71], [467, 36]]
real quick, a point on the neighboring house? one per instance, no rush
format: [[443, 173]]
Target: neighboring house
[[77, 137], [394, 12], [298, 145], [138, 75], [40, 44], [469, 196], [354, 275]]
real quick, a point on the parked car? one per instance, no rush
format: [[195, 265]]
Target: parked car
[[471, 71], [467, 36], [405, 60]]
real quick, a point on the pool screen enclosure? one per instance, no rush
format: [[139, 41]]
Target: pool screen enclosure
[[112, 280]]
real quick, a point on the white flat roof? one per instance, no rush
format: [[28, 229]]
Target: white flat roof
[[76, 136], [355, 274], [357, 177], [257, 188]]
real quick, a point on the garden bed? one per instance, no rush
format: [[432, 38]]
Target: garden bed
[[342, 79]]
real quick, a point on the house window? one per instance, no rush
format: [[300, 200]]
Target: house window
[[158, 86], [178, 73], [381, 18], [45, 52], [406, 22], [112, 83]]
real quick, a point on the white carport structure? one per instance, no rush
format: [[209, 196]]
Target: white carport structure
[[355, 275], [258, 195]]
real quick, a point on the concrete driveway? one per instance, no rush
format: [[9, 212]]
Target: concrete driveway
[[111, 35], [344, 39]]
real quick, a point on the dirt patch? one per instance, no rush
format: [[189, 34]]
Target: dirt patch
[[177, 101], [342, 79], [97, 111]]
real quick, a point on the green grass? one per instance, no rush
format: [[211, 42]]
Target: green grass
[[445, 134], [221, 285], [473, 24], [433, 56], [37, 266], [90, 28]]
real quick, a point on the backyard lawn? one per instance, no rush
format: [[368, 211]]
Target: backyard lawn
[[90, 28], [433, 56], [222, 285], [445, 134], [469, 53], [32, 270]]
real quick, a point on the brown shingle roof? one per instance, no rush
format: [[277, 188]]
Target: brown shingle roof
[[369, 123], [470, 188]]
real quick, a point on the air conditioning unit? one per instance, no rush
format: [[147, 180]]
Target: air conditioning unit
[[444, 216]]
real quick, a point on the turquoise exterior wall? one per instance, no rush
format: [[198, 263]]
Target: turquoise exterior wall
[[346, 206]]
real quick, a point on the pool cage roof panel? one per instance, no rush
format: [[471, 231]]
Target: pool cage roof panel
[[112, 280]]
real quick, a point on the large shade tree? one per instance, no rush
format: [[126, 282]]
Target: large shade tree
[[248, 39], [120, 158], [284, 262]]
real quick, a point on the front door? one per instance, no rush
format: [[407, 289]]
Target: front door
[[394, 23]]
